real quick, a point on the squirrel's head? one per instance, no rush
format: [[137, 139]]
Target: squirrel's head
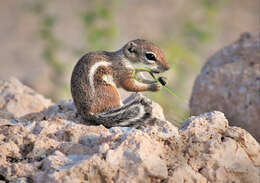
[[142, 53]]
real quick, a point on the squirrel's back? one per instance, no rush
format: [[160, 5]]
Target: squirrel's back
[[90, 87]]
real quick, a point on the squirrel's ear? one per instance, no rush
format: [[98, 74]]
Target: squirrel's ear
[[131, 47]]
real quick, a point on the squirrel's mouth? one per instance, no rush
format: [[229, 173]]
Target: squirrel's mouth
[[145, 76]]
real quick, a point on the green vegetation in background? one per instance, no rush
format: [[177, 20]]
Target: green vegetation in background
[[51, 48], [100, 33], [198, 33], [50, 55], [51, 45], [99, 23]]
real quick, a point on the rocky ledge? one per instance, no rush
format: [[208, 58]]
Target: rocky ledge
[[54, 145]]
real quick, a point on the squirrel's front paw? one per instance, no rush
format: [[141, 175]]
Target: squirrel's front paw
[[155, 87]]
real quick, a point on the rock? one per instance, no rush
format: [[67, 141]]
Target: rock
[[220, 157], [21, 180], [188, 174], [54, 161], [230, 82], [56, 146], [19, 100], [6, 115]]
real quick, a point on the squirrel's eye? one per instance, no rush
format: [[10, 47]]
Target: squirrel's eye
[[150, 56]]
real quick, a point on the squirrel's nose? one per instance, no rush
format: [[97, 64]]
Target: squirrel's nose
[[166, 67]]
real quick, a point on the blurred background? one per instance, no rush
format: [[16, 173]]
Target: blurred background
[[41, 40]]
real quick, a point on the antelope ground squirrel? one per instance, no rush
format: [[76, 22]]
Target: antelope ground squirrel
[[97, 75]]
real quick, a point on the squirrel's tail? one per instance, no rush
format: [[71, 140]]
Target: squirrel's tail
[[136, 111]]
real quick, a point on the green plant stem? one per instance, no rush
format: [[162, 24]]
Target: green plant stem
[[164, 86]]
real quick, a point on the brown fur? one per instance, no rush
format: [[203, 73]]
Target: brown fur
[[106, 96]]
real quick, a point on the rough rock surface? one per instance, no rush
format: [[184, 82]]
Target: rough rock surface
[[55, 146], [18, 100], [230, 82]]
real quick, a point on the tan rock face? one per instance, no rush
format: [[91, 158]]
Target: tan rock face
[[19, 100], [56, 146], [230, 82]]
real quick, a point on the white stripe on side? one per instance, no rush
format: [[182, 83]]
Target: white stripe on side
[[93, 71]]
